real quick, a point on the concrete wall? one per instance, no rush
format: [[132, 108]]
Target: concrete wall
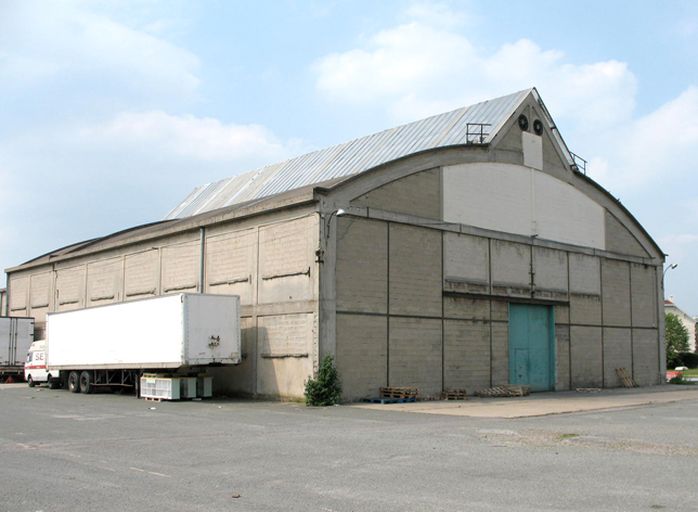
[[440, 320], [362, 266], [467, 354], [417, 194], [268, 260], [389, 306], [421, 304], [619, 239], [362, 353]]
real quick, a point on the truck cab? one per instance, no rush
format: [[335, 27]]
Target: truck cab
[[35, 370]]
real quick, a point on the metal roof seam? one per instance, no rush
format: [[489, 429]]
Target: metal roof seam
[[352, 157]]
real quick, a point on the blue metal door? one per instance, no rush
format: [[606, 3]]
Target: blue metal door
[[531, 349]]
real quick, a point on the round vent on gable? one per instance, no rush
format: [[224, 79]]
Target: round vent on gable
[[538, 127], [523, 122]]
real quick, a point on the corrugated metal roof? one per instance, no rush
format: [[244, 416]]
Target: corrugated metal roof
[[351, 157]]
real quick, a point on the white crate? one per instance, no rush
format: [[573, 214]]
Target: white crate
[[188, 387], [166, 388]]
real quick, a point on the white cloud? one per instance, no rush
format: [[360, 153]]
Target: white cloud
[[137, 150], [652, 149], [54, 40], [89, 179], [200, 138], [403, 60], [426, 66]]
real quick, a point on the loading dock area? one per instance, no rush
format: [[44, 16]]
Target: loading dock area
[[544, 404]]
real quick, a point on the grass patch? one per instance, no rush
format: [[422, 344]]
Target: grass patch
[[691, 373], [562, 437]]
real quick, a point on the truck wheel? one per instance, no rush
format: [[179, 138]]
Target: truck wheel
[[74, 382], [52, 383], [30, 381], [86, 382]]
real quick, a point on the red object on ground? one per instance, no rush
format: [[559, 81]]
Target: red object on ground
[[670, 374]]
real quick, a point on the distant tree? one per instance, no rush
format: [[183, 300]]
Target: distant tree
[[676, 338]]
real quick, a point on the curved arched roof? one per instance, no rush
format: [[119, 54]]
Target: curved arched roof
[[356, 156]]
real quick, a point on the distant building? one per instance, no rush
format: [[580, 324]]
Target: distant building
[[465, 250], [687, 320], [3, 302]]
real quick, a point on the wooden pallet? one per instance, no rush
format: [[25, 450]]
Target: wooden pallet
[[503, 391], [454, 394], [392, 392], [383, 400], [625, 378], [151, 399]]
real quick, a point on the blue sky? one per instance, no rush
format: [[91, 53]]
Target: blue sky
[[112, 111]]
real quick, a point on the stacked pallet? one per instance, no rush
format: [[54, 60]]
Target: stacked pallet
[[402, 393], [625, 378], [393, 395], [503, 391], [454, 394]]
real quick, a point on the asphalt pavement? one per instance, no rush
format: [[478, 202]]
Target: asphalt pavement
[[66, 452]]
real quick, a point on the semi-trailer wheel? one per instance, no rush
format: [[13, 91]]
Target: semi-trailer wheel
[[86, 382], [74, 382], [52, 383], [30, 381]]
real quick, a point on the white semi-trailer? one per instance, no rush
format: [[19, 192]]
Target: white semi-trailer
[[113, 345], [16, 335]]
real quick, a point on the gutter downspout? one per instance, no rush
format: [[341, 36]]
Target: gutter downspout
[[202, 258]]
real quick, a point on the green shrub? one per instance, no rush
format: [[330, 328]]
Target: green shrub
[[326, 389]]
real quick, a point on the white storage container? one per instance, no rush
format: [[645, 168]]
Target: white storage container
[[16, 336], [165, 388], [171, 331], [187, 387]]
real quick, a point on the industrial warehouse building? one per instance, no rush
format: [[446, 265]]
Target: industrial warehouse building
[[464, 250]]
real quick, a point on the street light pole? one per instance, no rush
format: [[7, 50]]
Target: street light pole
[[670, 267]]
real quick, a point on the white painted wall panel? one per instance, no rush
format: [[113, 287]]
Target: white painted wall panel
[[565, 214], [516, 199], [490, 196]]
